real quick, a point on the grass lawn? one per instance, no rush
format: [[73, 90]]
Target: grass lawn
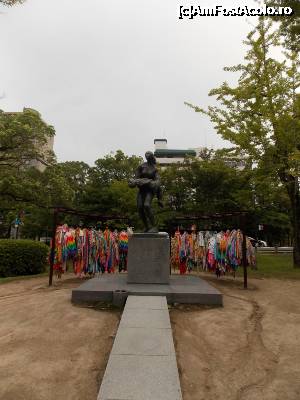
[[278, 266], [22, 277]]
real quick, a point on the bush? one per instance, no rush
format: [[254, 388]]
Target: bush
[[22, 257]]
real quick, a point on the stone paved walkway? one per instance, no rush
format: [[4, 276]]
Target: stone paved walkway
[[142, 363]]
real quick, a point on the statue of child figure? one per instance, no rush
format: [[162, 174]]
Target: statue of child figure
[[148, 181]]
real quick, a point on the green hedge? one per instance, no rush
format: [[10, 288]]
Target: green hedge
[[22, 257]]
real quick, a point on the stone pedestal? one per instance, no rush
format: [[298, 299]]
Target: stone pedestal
[[149, 258]]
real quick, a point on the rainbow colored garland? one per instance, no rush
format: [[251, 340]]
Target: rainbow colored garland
[[91, 251]]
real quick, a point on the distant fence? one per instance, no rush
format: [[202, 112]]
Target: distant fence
[[267, 250]]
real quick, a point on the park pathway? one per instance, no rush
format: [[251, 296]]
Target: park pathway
[[142, 364]]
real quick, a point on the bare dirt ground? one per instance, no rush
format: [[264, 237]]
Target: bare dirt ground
[[50, 349], [250, 349]]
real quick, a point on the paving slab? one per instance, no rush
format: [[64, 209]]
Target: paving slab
[[139, 318], [147, 302], [140, 378], [143, 342]]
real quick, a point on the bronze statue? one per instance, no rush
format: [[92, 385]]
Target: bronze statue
[[148, 181]]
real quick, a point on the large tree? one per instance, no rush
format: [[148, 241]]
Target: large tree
[[116, 166], [106, 190], [33, 194], [45, 190], [23, 188], [261, 114], [22, 142], [203, 187], [23, 136], [76, 174]]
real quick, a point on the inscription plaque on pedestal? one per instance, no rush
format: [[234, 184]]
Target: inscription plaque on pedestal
[[149, 258]]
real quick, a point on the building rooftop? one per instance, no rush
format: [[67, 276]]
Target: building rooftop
[[160, 140], [160, 153]]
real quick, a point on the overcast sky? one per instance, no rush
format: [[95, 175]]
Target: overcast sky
[[114, 75]]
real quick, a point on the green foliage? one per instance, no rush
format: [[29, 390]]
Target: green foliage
[[115, 167], [22, 257], [22, 138], [75, 175], [203, 187], [24, 188], [106, 190], [261, 115], [33, 193], [289, 26], [198, 187]]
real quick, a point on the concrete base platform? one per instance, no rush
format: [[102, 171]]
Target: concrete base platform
[[185, 289]]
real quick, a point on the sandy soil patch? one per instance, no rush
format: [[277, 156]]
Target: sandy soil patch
[[248, 350], [50, 349]]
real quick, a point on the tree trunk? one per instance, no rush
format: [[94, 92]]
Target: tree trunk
[[296, 229], [294, 195]]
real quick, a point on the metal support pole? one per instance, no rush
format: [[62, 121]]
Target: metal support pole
[[170, 252], [244, 250], [52, 252], [244, 255]]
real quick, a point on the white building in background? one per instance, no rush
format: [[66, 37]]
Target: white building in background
[[166, 157], [46, 148]]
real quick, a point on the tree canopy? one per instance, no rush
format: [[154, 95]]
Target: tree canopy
[[22, 141], [23, 136], [261, 114], [289, 26], [198, 187]]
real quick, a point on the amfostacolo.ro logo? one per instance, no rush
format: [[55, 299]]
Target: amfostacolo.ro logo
[[193, 11]]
